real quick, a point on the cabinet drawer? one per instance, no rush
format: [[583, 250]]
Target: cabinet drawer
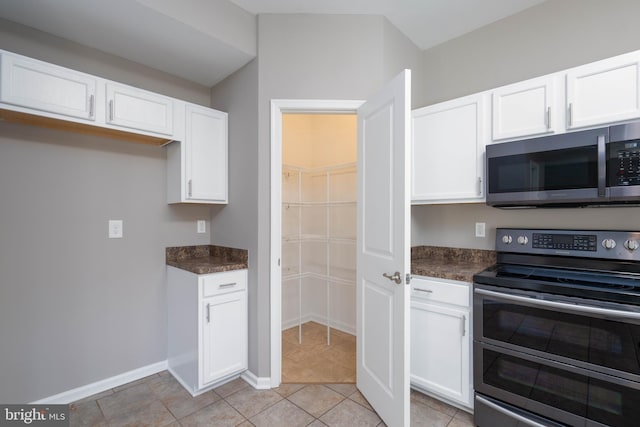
[[220, 283], [440, 290]]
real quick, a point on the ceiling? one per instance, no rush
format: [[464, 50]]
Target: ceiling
[[204, 41], [426, 22]]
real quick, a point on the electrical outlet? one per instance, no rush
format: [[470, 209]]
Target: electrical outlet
[[480, 229], [115, 229], [202, 226]]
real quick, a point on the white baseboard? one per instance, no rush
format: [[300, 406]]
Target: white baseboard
[[75, 394], [341, 326], [259, 383]]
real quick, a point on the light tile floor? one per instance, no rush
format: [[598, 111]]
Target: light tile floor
[[313, 361], [159, 400]]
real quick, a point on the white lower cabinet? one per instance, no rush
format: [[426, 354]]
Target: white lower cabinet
[[207, 339], [441, 339]]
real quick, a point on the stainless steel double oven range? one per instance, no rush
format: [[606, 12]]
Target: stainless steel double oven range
[[557, 330]]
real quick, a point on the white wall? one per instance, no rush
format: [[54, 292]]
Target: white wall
[[76, 307], [553, 36]]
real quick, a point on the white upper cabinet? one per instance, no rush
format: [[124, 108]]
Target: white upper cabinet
[[448, 151], [206, 137], [197, 166], [47, 88], [603, 92], [37, 93], [139, 110], [527, 108]]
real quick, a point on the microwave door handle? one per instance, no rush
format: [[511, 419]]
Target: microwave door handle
[[580, 309], [602, 166]]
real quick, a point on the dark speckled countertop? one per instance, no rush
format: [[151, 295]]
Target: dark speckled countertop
[[205, 259], [450, 263]]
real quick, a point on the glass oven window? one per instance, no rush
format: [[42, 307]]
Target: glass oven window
[[607, 343], [605, 402]]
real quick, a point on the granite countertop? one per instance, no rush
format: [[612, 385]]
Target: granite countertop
[[205, 259], [450, 263]]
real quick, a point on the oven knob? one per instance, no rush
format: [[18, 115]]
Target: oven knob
[[523, 240], [608, 243], [506, 239], [632, 245]]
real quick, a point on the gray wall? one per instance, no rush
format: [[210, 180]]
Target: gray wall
[[76, 307], [236, 225], [299, 57], [553, 36]]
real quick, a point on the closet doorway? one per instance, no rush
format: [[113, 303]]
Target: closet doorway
[[318, 272]]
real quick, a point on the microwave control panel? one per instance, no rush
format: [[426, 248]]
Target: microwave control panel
[[624, 163]]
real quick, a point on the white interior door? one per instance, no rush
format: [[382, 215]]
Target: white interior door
[[383, 253]]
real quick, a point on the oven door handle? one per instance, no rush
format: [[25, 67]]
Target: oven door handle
[[557, 304], [508, 413]]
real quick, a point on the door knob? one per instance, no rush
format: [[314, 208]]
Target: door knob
[[395, 278]]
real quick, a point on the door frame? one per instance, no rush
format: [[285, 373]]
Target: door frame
[[278, 107]]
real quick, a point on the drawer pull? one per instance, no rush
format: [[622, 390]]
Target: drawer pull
[[227, 285], [427, 291]]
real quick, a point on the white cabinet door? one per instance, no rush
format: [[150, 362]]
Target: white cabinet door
[[45, 87], [440, 351], [448, 151], [604, 91], [206, 152], [137, 109], [525, 109], [224, 336]]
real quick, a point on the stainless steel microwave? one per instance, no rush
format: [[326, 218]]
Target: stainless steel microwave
[[592, 167]]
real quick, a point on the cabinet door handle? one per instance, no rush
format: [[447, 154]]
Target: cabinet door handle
[[208, 313], [111, 110], [570, 114], [227, 285], [479, 186], [190, 187], [91, 105], [464, 325], [548, 118]]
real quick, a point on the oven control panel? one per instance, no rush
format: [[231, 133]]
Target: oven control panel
[[609, 244]]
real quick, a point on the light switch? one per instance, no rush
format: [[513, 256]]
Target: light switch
[[202, 226], [480, 229], [115, 229]]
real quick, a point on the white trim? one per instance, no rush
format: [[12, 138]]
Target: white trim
[[321, 319], [78, 393], [278, 106], [259, 383]]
